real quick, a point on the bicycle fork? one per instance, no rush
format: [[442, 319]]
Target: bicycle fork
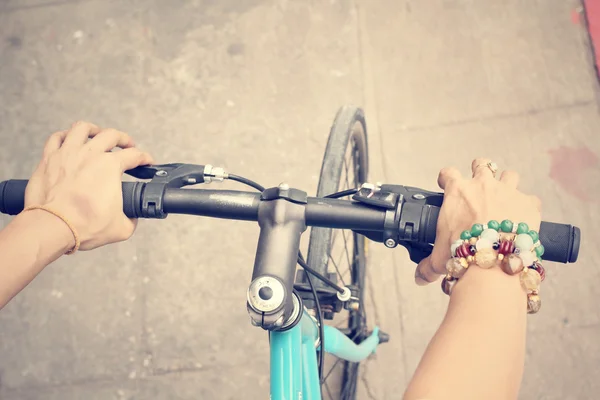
[[294, 366]]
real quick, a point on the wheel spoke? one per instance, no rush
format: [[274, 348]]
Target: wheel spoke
[[337, 269], [346, 249], [346, 168], [339, 324], [340, 379], [339, 262], [332, 368], [345, 273], [333, 237], [328, 391]]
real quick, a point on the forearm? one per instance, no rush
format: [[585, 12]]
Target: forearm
[[31, 241], [478, 352]]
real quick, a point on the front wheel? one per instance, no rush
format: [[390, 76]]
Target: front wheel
[[343, 252]]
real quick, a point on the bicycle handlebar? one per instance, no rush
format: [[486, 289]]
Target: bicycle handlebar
[[561, 241]]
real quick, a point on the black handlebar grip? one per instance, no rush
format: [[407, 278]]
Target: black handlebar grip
[[561, 241], [429, 217], [132, 198], [12, 197]]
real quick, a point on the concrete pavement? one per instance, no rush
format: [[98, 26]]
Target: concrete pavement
[[253, 85]]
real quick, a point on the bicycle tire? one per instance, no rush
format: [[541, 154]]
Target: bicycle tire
[[348, 132]]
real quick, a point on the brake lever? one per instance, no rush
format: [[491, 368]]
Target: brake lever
[[162, 177], [150, 171], [416, 250], [403, 224]]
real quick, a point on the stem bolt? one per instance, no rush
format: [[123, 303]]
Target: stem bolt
[[162, 172], [390, 243]]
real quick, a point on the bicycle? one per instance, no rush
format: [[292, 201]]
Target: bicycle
[[290, 304]]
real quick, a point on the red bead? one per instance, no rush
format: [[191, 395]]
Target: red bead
[[506, 247], [464, 250], [538, 267]]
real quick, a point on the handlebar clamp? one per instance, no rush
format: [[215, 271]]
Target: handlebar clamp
[[162, 177], [409, 213]]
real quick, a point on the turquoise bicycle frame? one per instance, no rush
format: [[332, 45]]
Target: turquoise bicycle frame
[[294, 371]]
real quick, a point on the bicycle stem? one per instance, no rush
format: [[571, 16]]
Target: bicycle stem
[[281, 217]]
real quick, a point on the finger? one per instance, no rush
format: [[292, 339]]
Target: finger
[[108, 139], [79, 134], [430, 268], [483, 168], [54, 142], [511, 178], [425, 272], [132, 157], [447, 176]]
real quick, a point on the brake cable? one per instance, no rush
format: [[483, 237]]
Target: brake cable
[[343, 193], [246, 181], [320, 320]]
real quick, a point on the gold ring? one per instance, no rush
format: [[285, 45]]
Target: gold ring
[[492, 166]]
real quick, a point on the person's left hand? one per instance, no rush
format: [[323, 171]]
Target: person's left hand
[[79, 177]]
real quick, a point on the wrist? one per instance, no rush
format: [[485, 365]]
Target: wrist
[[509, 249], [55, 232], [490, 290]]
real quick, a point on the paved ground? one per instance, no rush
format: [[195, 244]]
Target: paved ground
[[253, 85]]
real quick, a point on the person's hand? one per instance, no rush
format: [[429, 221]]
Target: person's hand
[[470, 201], [81, 180]]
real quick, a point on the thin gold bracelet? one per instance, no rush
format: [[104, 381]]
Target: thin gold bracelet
[[60, 216]]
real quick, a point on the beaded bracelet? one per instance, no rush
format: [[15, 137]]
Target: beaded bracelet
[[516, 247]]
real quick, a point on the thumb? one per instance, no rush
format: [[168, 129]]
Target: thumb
[[430, 268], [425, 272]]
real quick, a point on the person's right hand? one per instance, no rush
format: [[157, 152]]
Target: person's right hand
[[471, 201], [81, 180]]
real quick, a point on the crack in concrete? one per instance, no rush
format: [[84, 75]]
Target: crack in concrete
[[118, 379], [363, 379], [369, 90], [9, 9], [372, 296], [400, 309], [500, 117]]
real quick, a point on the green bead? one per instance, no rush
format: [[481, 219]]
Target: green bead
[[476, 230], [539, 251], [506, 226], [493, 224], [465, 235], [534, 235], [523, 228]]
